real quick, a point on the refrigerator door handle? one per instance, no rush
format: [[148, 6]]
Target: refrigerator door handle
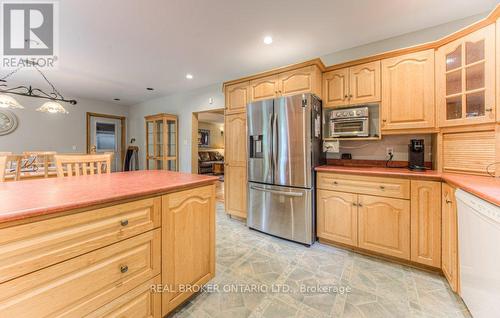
[[275, 143], [290, 194]]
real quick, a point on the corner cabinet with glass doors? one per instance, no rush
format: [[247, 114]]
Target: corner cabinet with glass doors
[[162, 142], [465, 79]]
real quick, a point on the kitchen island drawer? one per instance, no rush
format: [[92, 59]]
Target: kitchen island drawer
[[78, 286], [379, 186], [29, 247], [142, 301]]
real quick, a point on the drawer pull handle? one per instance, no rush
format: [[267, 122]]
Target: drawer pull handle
[[335, 183], [354, 204], [124, 268], [124, 222], [448, 201], [360, 205], [382, 188]]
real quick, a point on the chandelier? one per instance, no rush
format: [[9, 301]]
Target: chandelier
[[52, 105]]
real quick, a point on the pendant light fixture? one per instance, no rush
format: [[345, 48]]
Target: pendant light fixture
[[10, 102], [52, 106]]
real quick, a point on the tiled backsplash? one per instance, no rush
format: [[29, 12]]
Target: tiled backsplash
[[376, 150]]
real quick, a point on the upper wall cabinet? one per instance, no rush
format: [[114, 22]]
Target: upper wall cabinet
[[408, 91], [465, 79], [350, 86], [237, 97], [264, 88], [302, 80]]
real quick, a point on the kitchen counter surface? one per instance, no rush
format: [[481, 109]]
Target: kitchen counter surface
[[487, 188], [25, 199]]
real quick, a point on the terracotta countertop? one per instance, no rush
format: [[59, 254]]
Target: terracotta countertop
[[487, 188], [24, 199]]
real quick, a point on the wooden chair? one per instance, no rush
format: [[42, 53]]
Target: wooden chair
[[42, 161], [76, 165], [3, 167]]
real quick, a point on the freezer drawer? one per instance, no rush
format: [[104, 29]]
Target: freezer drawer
[[281, 211]]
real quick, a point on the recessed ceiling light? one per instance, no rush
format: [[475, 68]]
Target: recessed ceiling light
[[189, 76], [150, 88], [117, 99], [268, 39]]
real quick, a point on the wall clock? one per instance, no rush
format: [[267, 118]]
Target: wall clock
[[8, 122]]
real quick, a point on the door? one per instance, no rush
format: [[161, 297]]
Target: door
[[105, 137], [364, 83], [236, 97], [408, 91], [465, 79], [303, 80], [264, 88], [188, 248], [426, 222], [281, 211], [449, 237], [292, 141], [235, 179], [259, 125], [337, 217], [384, 225], [336, 88]]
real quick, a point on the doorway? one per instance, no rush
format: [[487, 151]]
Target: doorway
[[106, 134], [207, 146]]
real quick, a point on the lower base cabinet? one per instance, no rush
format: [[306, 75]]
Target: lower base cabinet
[[188, 244], [384, 225], [390, 216]]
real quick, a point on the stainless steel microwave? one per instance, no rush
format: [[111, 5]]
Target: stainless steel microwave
[[350, 122]]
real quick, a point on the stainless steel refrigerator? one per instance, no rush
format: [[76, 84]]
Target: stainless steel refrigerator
[[284, 147]]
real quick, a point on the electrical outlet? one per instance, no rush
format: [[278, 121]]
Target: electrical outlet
[[389, 151]]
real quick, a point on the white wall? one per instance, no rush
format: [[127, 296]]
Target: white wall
[[402, 41], [183, 105], [54, 132]]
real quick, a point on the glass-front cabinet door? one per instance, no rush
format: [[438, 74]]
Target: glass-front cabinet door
[[465, 79], [161, 142]]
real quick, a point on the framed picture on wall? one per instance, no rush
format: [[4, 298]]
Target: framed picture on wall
[[203, 137]]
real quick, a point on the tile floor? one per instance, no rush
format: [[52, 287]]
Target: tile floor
[[249, 262]]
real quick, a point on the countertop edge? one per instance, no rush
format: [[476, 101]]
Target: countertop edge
[[77, 206]]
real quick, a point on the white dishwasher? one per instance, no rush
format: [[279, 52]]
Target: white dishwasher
[[479, 253]]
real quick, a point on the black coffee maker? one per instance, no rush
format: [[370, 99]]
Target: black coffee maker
[[416, 155]]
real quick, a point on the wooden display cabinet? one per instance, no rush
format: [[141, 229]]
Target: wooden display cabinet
[[162, 146]]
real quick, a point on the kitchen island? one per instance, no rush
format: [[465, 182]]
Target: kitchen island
[[126, 244]]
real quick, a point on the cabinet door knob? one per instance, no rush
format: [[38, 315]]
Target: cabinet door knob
[[350, 95], [489, 109], [346, 96], [124, 268], [354, 204], [124, 222], [448, 201], [360, 205], [384, 120]]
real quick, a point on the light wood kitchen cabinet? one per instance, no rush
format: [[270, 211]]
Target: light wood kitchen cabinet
[[384, 225], [142, 301], [302, 80], [264, 88], [426, 222], [26, 248], [336, 88], [188, 243], [358, 84], [408, 91], [78, 286], [449, 263], [337, 217], [235, 183], [237, 97], [465, 79]]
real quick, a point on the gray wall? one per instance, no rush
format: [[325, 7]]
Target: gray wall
[[54, 132], [183, 105]]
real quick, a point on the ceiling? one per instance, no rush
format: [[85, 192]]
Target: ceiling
[[116, 48]]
